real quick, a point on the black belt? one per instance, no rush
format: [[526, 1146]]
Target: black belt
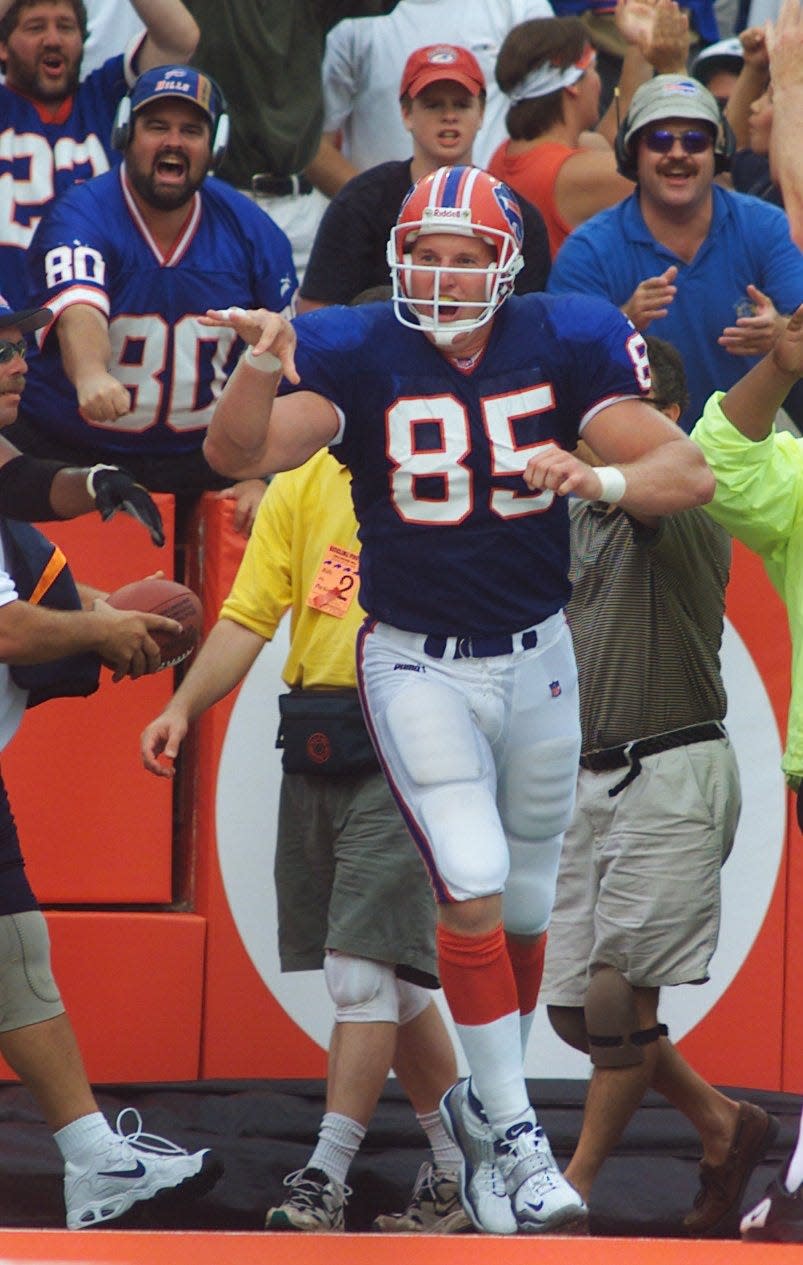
[[481, 647], [630, 754], [280, 186]]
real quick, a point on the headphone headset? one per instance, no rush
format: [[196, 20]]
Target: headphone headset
[[123, 125], [627, 163]]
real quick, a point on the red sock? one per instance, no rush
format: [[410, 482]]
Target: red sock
[[476, 975], [527, 959]]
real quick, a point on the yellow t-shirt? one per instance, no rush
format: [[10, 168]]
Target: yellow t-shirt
[[303, 512]]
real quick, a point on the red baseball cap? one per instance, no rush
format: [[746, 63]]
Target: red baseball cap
[[437, 62]]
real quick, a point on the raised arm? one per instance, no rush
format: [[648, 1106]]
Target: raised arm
[[752, 403], [785, 42], [751, 82], [172, 33], [253, 433]]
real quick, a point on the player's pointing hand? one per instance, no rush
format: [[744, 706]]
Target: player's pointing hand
[[266, 333]]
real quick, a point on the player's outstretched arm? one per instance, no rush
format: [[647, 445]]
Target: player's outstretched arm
[[752, 403], [35, 491], [220, 665], [251, 432], [172, 33]]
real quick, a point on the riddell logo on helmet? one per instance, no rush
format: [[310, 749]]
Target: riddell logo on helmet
[[447, 213]]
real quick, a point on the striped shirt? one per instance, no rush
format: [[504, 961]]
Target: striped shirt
[[646, 615]]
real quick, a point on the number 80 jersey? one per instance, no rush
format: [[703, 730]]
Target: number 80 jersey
[[94, 248], [453, 541]]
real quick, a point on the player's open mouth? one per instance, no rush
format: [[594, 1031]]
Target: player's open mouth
[[52, 64]]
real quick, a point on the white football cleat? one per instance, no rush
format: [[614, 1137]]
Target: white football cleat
[[482, 1187], [541, 1198]]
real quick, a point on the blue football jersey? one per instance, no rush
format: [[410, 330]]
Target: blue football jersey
[[453, 540], [39, 160], [94, 247]]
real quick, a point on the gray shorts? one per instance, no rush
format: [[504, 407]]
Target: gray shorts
[[639, 879], [28, 992], [348, 876]]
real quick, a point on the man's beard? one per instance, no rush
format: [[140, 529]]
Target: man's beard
[[38, 88], [163, 199]]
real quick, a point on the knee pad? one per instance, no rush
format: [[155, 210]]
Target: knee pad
[[530, 891], [28, 992], [413, 1000], [614, 1037], [363, 991], [536, 799], [417, 720], [569, 1023]]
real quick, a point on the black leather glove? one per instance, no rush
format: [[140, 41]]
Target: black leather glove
[[114, 489]]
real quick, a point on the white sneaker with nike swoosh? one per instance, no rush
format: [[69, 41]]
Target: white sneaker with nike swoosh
[[540, 1195], [134, 1168], [482, 1188]]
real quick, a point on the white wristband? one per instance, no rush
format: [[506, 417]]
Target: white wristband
[[265, 362], [614, 483], [90, 477]]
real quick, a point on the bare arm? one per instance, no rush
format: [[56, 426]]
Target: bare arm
[[122, 639], [752, 403], [329, 169], [587, 183], [251, 432], [785, 41], [83, 334], [752, 81], [657, 32], [220, 665], [172, 33], [664, 471]]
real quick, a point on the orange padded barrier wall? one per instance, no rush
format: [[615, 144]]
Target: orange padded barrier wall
[[95, 827], [133, 985]]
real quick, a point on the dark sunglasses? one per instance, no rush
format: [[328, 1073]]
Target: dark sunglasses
[[9, 350], [694, 141]]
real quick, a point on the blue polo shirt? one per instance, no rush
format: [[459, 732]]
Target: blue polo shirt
[[748, 243]]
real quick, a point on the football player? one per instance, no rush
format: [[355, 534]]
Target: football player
[[456, 408]]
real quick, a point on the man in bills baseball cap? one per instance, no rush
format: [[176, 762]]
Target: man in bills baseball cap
[[177, 81], [436, 62]]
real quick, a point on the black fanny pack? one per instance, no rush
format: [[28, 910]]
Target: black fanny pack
[[323, 732]]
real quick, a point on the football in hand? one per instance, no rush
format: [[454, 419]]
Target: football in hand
[[165, 597]]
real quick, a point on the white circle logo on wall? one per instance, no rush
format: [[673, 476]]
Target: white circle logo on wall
[[247, 799]]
